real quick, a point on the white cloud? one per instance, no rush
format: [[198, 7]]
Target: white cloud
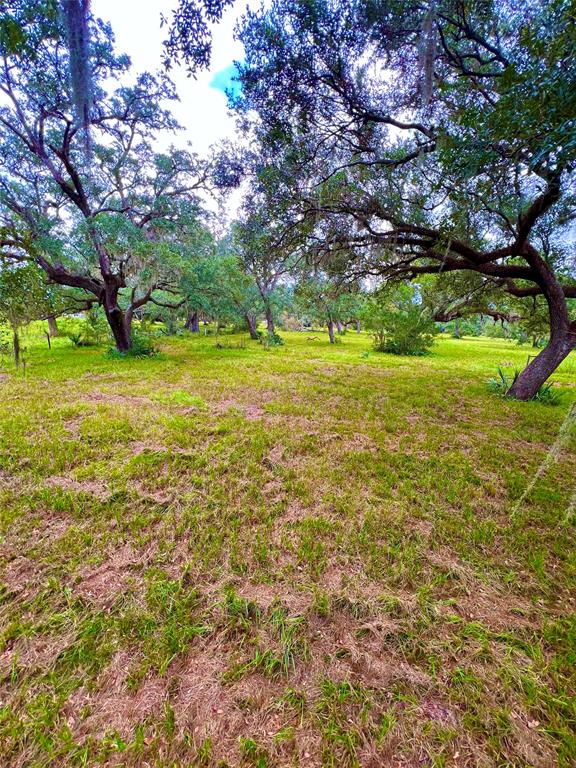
[[202, 110]]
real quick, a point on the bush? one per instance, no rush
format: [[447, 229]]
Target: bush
[[399, 325], [271, 340], [77, 338], [91, 331], [82, 339], [522, 335], [142, 346], [407, 333], [291, 323]]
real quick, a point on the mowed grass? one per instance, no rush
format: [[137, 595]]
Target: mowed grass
[[303, 556]]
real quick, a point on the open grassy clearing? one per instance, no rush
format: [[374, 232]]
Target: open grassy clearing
[[306, 556]]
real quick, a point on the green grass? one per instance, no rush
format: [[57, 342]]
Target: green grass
[[297, 556]]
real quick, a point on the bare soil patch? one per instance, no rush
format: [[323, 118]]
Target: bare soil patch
[[108, 398], [102, 584], [36, 653], [92, 487]]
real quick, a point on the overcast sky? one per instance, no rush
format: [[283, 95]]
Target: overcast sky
[[202, 109]]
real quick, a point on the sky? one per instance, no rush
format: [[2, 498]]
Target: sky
[[202, 109]]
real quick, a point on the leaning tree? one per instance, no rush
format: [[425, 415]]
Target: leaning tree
[[101, 216], [425, 138]]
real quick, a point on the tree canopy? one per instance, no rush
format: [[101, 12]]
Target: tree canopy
[[424, 140], [107, 221]]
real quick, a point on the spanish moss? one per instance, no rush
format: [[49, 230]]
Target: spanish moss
[[427, 53], [75, 14]]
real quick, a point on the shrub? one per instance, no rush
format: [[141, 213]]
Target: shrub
[[399, 325], [142, 346], [76, 338], [89, 331], [97, 328], [271, 340], [410, 332], [82, 339]]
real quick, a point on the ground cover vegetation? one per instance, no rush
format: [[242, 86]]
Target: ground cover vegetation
[[302, 555], [290, 485]]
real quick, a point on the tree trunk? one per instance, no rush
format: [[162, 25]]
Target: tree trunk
[[128, 318], [52, 326], [456, 333], [358, 326], [251, 323], [331, 331], [120, 326], [120, 323], [270, 321], [16, 343], [339, 327], [543, 366], [192, 322], [562, 333]]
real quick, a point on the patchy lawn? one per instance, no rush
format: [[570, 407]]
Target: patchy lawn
[[304, 556]]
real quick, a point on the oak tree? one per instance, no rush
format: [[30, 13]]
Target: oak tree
[[102, 221]]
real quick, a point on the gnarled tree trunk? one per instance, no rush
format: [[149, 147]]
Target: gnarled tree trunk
[[331, 331], [543, 366], [251, 323], [193, 322], [120, 323], [270, 327], [122, 336], [562, 334]]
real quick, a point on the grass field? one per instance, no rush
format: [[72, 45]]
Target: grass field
[[303, 556]]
